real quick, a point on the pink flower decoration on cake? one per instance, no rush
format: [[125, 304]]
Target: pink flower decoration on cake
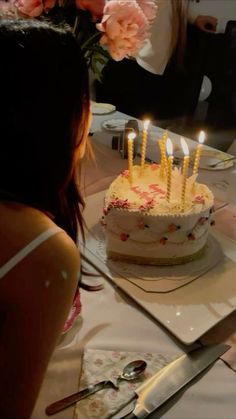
[[148, 205], [172, 227], [125, 26], [119, 203], [125, 173], [199, 199], [135, 189], [156, 188], [145, 195], [124, 237], [154, 166]]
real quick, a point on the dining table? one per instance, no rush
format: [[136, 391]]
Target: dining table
[[118, 322]]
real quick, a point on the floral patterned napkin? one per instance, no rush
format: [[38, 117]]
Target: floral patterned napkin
[[101, 365]]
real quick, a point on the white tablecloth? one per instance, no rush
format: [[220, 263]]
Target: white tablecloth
[[111, 320]]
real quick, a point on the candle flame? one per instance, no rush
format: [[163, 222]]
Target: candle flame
[[169, 147], [201, 137], [184, 146], [146, 124], [131, 135]]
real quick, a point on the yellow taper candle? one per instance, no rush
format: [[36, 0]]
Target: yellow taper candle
[[131, 137], [184, 146], [163, 160], [201, 140], [169, 149], [144, 142], [165, 136]]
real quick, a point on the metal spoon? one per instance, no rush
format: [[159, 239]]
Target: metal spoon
[[221, 162], [130, 372]]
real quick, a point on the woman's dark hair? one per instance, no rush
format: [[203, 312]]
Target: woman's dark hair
[[43, 118]]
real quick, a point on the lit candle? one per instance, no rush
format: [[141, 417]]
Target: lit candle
[[144, 142], [169, 149], [165, 136], [162, 146], [184, 146], [201, 140], [131, 137]]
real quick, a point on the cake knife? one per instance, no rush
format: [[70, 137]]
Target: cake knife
[[169, 380]]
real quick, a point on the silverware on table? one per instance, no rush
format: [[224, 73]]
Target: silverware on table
[[172, 378], [221, 162], [130, 372], [79, 395]]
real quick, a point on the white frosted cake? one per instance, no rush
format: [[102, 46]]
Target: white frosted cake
[[144, 227]]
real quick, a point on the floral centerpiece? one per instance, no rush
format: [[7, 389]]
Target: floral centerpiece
[[104, 28]]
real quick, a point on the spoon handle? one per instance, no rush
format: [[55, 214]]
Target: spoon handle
[[222, 161], [75, 397]]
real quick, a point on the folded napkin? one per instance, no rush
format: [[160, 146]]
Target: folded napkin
[[100, 365]]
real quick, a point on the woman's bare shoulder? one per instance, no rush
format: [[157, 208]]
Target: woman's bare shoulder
[[57, 256]]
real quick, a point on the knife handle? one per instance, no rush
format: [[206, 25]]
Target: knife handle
[[75, 397]]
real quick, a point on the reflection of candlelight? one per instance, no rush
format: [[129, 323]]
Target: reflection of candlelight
[[201, 140], [184, 146], [131, 137], [169, 149], [144, 142]]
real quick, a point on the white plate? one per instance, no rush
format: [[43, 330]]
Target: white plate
[[187, 312], [209, 157], [102, 108], [117, 125]]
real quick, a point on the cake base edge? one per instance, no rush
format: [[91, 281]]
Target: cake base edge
[[155, 261]]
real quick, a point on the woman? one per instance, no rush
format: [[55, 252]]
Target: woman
[[44, 123], [147, 84]]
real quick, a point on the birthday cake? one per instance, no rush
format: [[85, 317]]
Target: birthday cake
[[150, 222]]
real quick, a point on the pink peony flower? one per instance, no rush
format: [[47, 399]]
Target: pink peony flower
[[149, 8], [7, 8], [34, 8], [95, 7], [125, 26]]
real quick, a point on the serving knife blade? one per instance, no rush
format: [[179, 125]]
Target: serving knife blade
[[173, 377]]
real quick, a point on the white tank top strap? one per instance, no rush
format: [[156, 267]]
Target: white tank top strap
[[28, 249]]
